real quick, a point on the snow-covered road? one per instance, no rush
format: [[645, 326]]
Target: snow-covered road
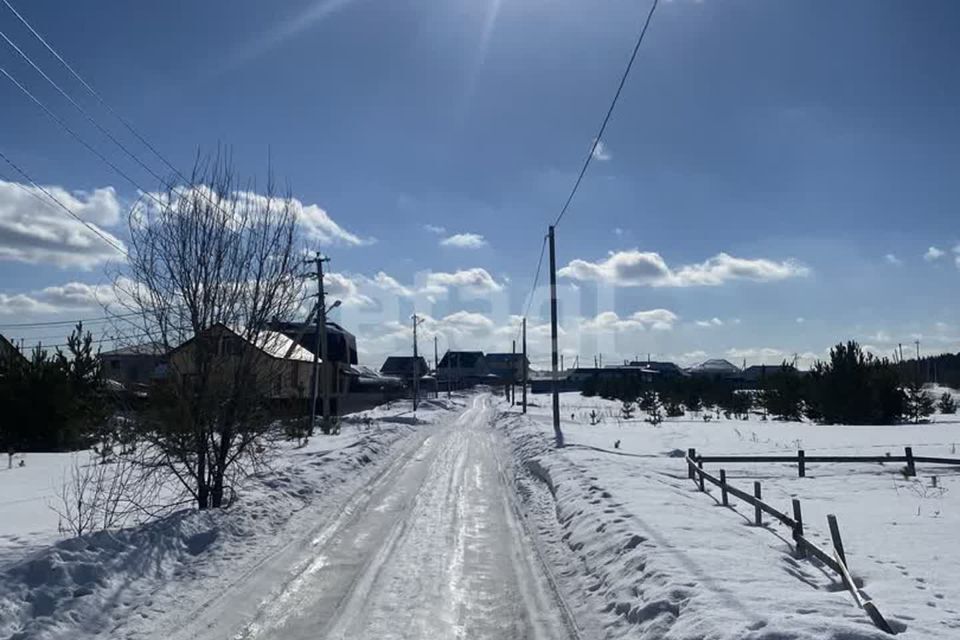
[[433, 550]]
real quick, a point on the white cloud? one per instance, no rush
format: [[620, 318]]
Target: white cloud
[[477, 280], [432, 228], [389, 283], [892, 259], [618, 231], [346, 289], [364, 292], [801, 320], [464, 241], [713, 322], [645, 268], [933, 253], [880, 336], [600, 152], [764, 354], [315, 223], [320, 227], [467, 322], [69, 297], [606, 321], [35, 230]]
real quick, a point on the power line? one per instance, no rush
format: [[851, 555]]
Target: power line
[[93, 92], [79, 108], [59, 323], [115, 338], [606, 119], [536, 279], [80, 139], [88, 225], [100, 99]]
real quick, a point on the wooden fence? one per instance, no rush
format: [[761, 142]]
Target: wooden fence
[[801, 459], [837, 562]]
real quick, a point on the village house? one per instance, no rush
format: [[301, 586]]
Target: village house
[[508, 367], [280, 368], [464, 369], [137, 364]]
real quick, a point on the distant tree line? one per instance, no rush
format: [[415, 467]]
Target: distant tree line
[[851, 387], [54, 401], [942, 369]]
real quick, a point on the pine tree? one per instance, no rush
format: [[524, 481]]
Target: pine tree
[[920, 404], [947, 405], [674, 409]]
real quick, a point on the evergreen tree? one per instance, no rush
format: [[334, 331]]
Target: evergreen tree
[[947, 404], [648, 401], [674, 409], [854, 388], [920, 404], [783, 394]]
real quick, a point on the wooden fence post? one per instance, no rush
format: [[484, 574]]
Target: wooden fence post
[[835, 535], [798, 529], [723, 488], [757, 494], [911, 468], [692, 455], [700, 467], [801, 463]]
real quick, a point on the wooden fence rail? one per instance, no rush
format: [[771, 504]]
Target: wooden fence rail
[[836, 562], [801, 459]]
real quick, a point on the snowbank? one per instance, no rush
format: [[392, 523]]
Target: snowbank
[[137, 579], [658, 559]]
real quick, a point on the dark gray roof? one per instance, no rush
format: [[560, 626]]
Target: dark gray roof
[[503, 358], [146, 349], [403, 365], [462, 359]]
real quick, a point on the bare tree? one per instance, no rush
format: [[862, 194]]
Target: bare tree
[[99, 495], [210, 265]]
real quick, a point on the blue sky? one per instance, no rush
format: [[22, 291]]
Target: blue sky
[[772, 179]]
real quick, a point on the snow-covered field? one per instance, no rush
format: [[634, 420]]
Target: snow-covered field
[[671, 563], [382, 530], [141, 581]]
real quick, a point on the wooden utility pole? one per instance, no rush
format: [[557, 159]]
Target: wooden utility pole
[[416, 364], [558, 434], [436, 370], [524, 365], [513, 375], [320, 351]]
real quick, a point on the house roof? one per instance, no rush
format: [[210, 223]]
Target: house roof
[[504, 358], [7, 348], [661, 367], [463, 358], [756, 371], [402, 364], [280, 346], [273, 343], [145, 349], [716, 365]]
